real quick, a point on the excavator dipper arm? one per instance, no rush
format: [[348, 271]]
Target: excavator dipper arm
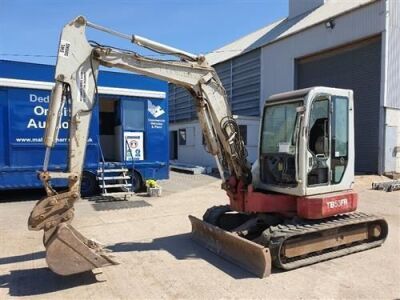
[[68, 251]]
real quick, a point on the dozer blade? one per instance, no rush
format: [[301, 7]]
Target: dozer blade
[[69, 252], [251, 256]]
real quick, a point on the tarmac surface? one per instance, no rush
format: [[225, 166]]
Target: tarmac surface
[[158, 259]]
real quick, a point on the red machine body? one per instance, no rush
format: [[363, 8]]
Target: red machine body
[[246, 199]]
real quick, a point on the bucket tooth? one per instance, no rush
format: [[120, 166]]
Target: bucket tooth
[[69, 252], [251, 256]]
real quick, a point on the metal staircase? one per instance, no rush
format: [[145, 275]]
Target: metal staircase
[[114, 179]]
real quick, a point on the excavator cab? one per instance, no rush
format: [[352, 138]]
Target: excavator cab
[[306, 142]]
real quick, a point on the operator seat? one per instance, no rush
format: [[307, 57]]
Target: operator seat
[[319, 172]]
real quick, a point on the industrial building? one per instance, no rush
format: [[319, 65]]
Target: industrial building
[[130, 109], [344, 44]]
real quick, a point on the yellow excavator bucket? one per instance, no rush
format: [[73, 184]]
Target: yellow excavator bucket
[[249, 255], [69, 252]]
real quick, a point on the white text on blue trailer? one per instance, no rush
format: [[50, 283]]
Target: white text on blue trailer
[[131, 109]]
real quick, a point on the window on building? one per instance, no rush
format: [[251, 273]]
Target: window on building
[[182, 137]]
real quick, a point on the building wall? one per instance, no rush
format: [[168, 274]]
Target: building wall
[[278, 71], [392, 140], [279, 74], [278, 59], [194, 153], [240, 77], [391, 91], [358, 67], [392, 98], [180, 102]]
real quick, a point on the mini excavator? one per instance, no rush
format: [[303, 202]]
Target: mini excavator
[[293, 207]]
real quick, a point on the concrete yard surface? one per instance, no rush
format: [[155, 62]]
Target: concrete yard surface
[[158, 259]]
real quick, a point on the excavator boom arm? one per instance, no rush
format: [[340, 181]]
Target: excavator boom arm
[[76, 73]]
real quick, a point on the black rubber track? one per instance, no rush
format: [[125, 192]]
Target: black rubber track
[[213, 214], [275, 237]]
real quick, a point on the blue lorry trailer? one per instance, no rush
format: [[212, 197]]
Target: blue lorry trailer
[[129, 128]]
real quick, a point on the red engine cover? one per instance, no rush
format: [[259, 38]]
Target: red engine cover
[[326, 205], [244, 199]]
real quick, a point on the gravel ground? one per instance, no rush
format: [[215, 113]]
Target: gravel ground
[[158, 259]]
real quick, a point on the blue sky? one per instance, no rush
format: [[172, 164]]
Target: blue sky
[[32, 27]]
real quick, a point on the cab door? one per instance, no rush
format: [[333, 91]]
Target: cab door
[[340, 138], [319, 143], [328, 143]]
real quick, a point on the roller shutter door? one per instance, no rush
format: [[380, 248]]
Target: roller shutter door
[[356, 67]]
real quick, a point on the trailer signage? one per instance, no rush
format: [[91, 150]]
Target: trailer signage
[[36, 98], [31, 114], [28, 115], [156, 111], [134, 146]]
